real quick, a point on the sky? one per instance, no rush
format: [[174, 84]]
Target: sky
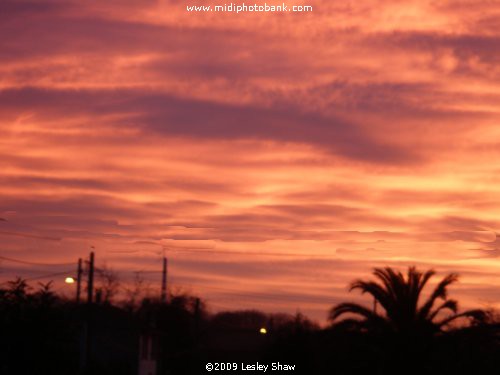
[[272, 157]]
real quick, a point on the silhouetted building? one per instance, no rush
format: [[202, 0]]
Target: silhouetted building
[[148, 353]]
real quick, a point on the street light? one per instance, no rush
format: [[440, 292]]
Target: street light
[[263, 331], [69, 280]]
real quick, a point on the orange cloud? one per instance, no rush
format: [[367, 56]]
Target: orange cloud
[[273, 157]]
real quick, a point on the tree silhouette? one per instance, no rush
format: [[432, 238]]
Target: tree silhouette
[[108, 284], [400, 296], [18, 289], [45, 296], [136, 292]]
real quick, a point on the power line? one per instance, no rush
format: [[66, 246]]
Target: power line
[[229, 291], [247, 253], [49, 275], [35, 263], [38, 271]]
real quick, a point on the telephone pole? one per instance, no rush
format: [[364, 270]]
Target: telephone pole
[[79, 280], [86, 337], [90, 283], [164, 281], [197, 317]]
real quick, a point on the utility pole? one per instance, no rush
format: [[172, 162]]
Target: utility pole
[[164, 281], [197, 317], [86, 343], [90, 283], [79, 280]]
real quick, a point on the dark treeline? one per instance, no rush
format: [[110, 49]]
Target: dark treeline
[[43, 333]]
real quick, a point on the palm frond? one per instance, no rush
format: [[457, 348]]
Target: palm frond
[[349, 324], [477, 316], [450, 304], [440, 292], [376, 291], [352, 308], [425, 278]]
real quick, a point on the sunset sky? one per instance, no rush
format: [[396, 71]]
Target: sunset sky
[[272, 157]]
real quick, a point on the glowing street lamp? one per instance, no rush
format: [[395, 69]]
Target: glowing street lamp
[[69, 280], [263, 331]]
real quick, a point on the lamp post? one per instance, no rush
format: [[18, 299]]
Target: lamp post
[[78, 280]]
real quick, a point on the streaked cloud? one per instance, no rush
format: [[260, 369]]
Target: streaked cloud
[[282, 155]]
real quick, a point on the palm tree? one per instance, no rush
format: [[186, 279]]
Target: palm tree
[[400, 296]]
